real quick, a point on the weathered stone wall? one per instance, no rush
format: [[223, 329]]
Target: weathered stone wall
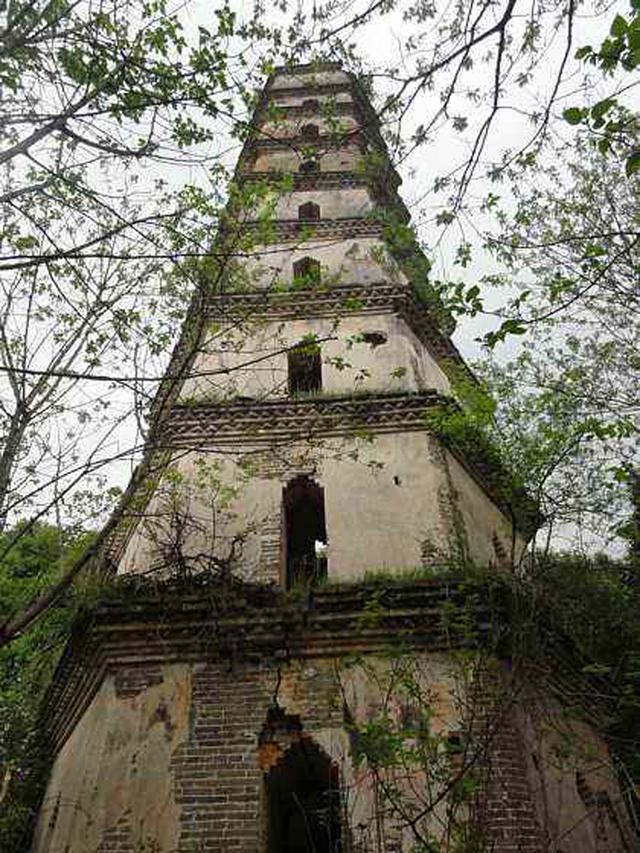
[[574, 786], [111, 783], [173, 758], [391, 505], [342, 261], [167, 758], [254, 353]]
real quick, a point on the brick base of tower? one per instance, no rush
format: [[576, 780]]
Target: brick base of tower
[[172, 710]]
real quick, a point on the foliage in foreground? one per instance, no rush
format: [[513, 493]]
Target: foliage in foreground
[[594, 602], [567, 617], [37, 560], [591, 605]]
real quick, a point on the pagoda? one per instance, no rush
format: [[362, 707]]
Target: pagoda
[[289, 565]]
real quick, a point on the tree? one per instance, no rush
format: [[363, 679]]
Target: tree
[[92, 95], [570, 406], [102, 103], [610, 122], [37, 560], [471, 74]]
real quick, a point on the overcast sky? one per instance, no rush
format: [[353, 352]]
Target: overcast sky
[[380, 44]]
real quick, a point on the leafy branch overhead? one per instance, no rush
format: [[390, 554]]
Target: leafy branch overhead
[[612, 124]]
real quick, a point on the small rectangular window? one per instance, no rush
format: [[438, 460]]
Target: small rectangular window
[[305, 369]]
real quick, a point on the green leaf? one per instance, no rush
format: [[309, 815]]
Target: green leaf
[[513, 327], [633, 163], [444, 218], [602, 108], [596, 669], [618, 27], [583, 52], [573, 115], [621, 475]]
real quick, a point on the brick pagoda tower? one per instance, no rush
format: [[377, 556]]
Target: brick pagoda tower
[[223, 701]]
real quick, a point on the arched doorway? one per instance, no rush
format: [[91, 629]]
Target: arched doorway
[[303, 802], [305, 532]]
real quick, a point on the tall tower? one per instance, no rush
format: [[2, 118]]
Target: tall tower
[[254, 688], [338, 360]]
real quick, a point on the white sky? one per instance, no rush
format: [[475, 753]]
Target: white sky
[[379, 44]]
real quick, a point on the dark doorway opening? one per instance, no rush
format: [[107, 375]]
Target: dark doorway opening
[[305, 532], [303, 800], [304, 369]]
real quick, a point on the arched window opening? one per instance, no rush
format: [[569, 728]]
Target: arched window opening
[[309, 211], [311, 105], [309, 131], [305, 532], [306, 272], [304, 368], [309, 166], [303, 802]]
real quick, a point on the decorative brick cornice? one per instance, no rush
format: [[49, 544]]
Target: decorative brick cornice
[[202, 425], [147, 623], [338, 108], [202, 621], [342, 228], [334, 180], [376, 297], [325, 141], [311, 89], [318, 301], [384, 194]]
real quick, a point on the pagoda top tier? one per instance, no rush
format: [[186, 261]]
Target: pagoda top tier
[[312, 111]]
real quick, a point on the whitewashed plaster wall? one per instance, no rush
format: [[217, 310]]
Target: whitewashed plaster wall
[[560, 748], [254, 353], [346, 158], [342, 261], [482, 520], [347, 202], [389, 505], [286, 128], [116, 765]]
